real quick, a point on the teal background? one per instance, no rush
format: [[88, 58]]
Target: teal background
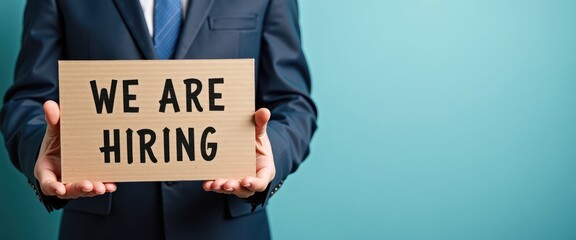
[[439, 119]]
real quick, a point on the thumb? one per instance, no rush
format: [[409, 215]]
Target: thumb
[[261, 118], [52, 115]]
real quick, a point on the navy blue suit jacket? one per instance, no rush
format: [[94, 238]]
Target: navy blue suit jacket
[[266, 30]]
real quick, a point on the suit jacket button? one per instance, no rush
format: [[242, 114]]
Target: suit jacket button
[[170, 183]]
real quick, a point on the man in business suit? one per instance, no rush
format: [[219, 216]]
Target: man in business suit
[[266, 30]]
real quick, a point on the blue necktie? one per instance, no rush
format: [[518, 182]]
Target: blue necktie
[[167, 21]]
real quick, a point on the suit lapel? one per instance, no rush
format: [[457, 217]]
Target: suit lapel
[[195, 17], [133, 17]]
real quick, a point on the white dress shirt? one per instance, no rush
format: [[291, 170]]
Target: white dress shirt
[[148, 10]]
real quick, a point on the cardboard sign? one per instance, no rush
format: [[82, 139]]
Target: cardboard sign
[[154, 120]]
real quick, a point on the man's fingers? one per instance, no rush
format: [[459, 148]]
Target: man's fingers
[[259, 183], [78, 189], [231, 185], [228, 186], [261, 118], [87, 189], [99, 188], [52, 114], [255, 184], [217, 184], [110, 187], [243, 192], [207, 185], [49, 182], [85, 186], [246, 187], [267, 172], [60, 189], [52, 187]]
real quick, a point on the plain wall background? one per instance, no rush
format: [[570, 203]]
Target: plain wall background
[[439, 119]]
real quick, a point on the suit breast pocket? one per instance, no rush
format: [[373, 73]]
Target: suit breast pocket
[[223, 23]]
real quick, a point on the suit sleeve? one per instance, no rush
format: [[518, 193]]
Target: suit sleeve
[[284, 88], [35, 81]]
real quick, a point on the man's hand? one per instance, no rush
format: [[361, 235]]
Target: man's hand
[[47, 168], [265, 169]]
